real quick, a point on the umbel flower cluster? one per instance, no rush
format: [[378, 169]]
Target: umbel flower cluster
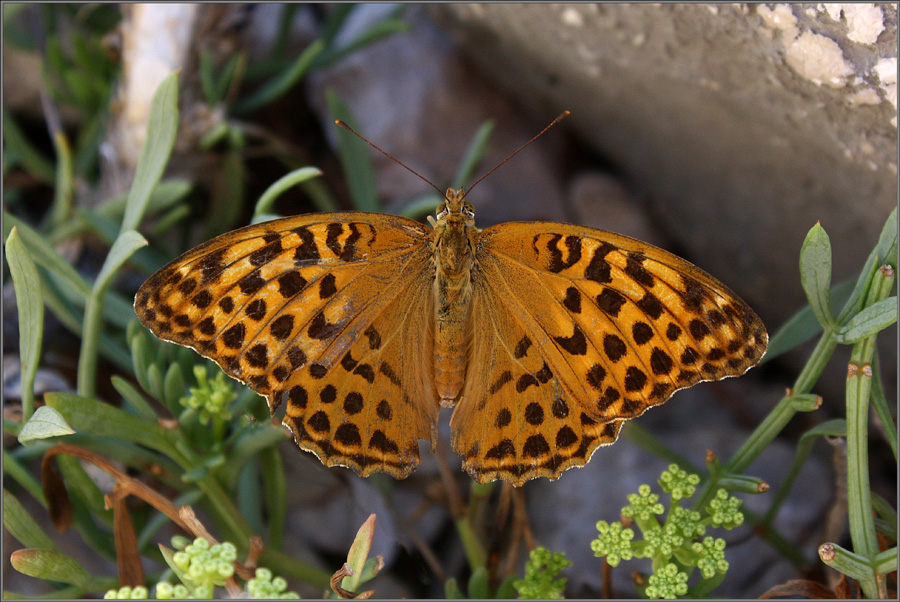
[[678, 544], [203, 567]]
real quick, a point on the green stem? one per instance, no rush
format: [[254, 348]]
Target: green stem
[[859, 383], [90, 341]]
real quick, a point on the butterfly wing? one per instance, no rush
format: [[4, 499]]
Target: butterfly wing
[[579, 329], [322, 312]]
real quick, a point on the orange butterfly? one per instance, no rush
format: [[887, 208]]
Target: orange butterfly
[[544, 336]]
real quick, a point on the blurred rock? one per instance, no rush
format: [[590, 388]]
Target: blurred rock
[[743, 125]]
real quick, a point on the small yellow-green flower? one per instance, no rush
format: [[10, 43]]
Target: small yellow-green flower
[[263, 585], [211, 398], [678, 482], [540, 570], [667, 583], [724, 510], [138, 592], [712, 556], [614, 542], [643, 505]]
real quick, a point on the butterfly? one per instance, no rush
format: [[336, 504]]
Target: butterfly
[[545, 337]]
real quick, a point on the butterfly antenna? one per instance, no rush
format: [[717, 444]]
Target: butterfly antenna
[[344, 125], [561, 116]]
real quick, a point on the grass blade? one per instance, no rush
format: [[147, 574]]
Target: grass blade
[[30, 306]]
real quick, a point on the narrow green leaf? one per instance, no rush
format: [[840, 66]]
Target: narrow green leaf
[[82, 487], [886, 562], [452, 591], [869, 321], [30, 306], [125, 245], [274, 493], [743, 484], [45, 423], [32, 160], [268, 198], [248, 444], [133, 398], [50, 565], [15, 470], [65, 180], [354, 156], [162, 125], [22, 526], [479, 588], [377, 31], [882, 408], [803, 325], [886, 249], [815, 273], [45, 255], [283, 82], [359, 551], [174, 385], [335, 20], [473, 155], [98, 418]]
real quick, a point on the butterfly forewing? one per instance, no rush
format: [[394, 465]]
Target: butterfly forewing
[[280, 305]]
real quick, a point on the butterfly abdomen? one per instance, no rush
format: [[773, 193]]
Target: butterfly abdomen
[[454, 255]]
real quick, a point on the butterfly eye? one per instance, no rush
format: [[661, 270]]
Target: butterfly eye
[[469, 210], [444, 211]]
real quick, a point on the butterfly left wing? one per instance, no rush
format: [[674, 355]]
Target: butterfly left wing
[[603, 324], [307, 311]]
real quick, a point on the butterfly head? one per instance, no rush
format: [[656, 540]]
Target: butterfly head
[[455, 209]]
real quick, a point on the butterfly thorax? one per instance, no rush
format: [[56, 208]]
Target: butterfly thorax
[[454, 256]]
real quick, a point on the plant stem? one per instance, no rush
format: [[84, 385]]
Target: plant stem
[[859, 383]]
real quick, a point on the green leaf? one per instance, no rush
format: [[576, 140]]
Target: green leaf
[[248, 444], [479, 589], [886, 249], [98, 418], [30, 306], [45, 423], [162, 125], [283, 82], [22, 526], [32, 160], [869, 321], [267, 200], [45, 255], [354, 155], [126, 244], [506, 590], [473, 155], [377, 31], [886, 561], [50, 565], [815, 273], [803, 325], [173, 385], [133, 398], [359, 551], [452, 591]]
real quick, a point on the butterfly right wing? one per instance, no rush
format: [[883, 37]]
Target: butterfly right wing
[[295, 307]]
